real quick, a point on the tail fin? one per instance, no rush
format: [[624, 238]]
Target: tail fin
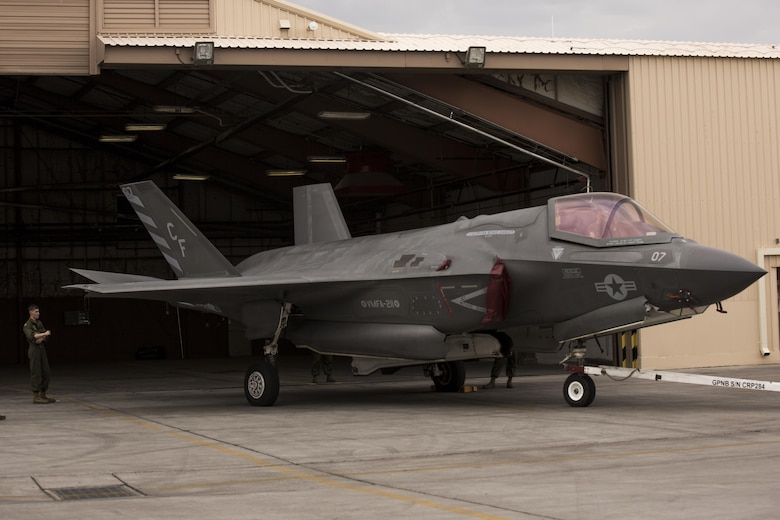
[[186, 250], [318, 217]]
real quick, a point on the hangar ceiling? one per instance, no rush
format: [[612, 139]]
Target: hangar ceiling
[[436, 144]]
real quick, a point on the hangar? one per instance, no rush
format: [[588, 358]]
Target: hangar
[[229, 104]]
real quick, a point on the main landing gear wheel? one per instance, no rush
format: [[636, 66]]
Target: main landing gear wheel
[[579, 390], [261, 384], [451, 376]]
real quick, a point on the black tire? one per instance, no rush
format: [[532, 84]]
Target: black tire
[[452, 377], [261, 384], [579, 390]]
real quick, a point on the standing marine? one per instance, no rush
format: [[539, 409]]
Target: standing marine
[[37, 334]]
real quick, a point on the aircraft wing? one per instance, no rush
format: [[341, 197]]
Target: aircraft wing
[[227, 296]]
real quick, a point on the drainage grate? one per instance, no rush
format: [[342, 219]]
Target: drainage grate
[[85, 493]]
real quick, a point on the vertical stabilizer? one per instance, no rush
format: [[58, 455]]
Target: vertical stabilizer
[[318, 217], [187, 251]]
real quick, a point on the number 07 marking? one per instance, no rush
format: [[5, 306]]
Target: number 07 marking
[[657, 256]]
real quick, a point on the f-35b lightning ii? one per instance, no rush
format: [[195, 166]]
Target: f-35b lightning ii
[[580, 267]]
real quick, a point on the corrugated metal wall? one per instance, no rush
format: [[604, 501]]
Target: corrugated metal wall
[[262, 19], [45, 37], [155, 15], [704, 141]]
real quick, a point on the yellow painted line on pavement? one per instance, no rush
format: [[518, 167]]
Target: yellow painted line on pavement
[[293, 472], [568, 458]]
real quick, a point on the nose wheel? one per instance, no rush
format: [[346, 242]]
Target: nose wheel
[[579, 390]]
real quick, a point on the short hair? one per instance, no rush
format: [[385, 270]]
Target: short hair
[[32, 307]]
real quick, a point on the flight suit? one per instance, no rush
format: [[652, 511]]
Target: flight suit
[[36, 352], [324, 362]]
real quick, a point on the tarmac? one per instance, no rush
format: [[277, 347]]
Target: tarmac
[[166, 439]]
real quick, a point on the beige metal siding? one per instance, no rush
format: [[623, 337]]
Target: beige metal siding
[[255, 18], [44, 37], [704, 142], [151, 16]]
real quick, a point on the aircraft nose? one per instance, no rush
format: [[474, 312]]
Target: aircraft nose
[[712, 275]]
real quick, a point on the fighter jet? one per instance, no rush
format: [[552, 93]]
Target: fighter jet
[[580, 267]]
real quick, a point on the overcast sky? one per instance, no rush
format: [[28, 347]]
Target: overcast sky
[[724, 21]]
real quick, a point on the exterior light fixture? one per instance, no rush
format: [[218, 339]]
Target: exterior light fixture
[[203, 53], [285, 173], [117, 138], [344, 115], [475, 58], [189, 177], [332, 159], [144, 127]]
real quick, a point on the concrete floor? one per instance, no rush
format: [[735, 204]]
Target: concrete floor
[[176, 439]]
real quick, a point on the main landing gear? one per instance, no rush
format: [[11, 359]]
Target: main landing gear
[[261, 384], [261, 381], [447, 377]]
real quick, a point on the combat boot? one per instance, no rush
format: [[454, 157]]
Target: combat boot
[[509, 383], [47, 398], [491, 384], [38, 399]]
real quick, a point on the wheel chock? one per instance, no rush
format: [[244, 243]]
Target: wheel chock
[[463, 389]]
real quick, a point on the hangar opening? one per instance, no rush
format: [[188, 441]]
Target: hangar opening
[[403, 146]]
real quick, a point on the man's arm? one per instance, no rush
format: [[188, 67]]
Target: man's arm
[[37, 337], [41, 336]]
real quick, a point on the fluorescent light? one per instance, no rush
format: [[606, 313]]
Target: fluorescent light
[[344, 115], [173, 109], [117, 138], [144, 127], [326, 159], [189, 177], [285, 173]]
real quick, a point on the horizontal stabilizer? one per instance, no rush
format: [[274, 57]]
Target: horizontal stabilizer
[[317, 215], [108, 277], [187, 251]]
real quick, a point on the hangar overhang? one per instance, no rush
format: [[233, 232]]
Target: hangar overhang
[[140, 52]]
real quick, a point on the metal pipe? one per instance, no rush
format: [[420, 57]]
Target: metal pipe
[[468, 127]]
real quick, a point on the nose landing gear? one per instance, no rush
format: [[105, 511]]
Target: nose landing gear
[[579, 390]]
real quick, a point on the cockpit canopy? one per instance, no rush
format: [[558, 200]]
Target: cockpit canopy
[[605, 220]]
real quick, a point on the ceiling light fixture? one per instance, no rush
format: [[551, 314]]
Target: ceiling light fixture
[[117, 138], [173, 109], [334, 159], [285, 173], [144, 127], [189, 177], [344, 115]]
